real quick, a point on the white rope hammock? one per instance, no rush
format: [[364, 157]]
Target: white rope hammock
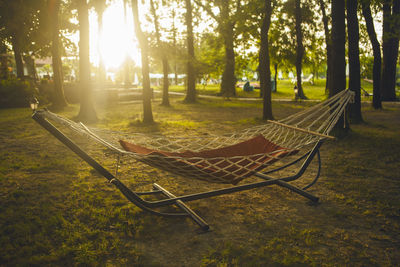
[[223, 159]]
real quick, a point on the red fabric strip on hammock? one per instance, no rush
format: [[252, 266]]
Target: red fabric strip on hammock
[[260, 152]]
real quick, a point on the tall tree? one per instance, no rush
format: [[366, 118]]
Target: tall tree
[[299, 48], [288, 48], [338, 47], [4, 73], [390, 48], [376, 49], [191, 76], [225, 13], [19, 25], [328, 44], [162, 54], [264, 65], [14, 14], [16, 41], [174, 31], [354, 60], [59, 101], [228, 80], [87, 112], [143, 43], [338, 53]]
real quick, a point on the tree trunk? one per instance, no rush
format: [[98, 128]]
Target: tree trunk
[[299, 49], [338, 47], [165, 97], [328, 43], [59, 101], [161, 53], [147, 111], [16, 46], [174, 30], [276, 76], [390, 48], [264, 66], [339, 61], [228, 80], [191, 78], [354, 60], [376, 48], [3, 61], [87, 112], [31, 67]]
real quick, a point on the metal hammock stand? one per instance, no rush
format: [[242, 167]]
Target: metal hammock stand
[[214, 158]]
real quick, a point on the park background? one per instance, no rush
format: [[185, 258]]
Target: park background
[[180, 68]]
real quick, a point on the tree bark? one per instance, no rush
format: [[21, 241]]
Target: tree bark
[[376, 48], [147, 110], [16, 46], [87, 112], [338, 47], [264, 66], [191, 78], [276, 76], [354, 60], [390, 48], [59, 101], [165, 96], [3, 61], [228, 80], [299, 49], [338, 61], [328, 43]]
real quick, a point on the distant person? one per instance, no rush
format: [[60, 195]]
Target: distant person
[[296, 92], [247, 87]]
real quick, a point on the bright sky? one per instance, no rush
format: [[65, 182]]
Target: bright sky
[[118, 38]]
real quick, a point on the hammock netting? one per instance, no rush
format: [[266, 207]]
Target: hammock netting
[[222, 159]]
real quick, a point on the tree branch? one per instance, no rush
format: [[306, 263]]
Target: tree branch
[[207, 9]]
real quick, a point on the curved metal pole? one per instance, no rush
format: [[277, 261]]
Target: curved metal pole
[[288, 165], [318, 173]]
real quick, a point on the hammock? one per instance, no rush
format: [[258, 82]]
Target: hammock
[[218, 159]]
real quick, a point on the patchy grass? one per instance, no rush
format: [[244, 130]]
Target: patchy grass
[[54, 210]]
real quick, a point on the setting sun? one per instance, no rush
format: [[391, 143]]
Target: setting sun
[[117, 40]]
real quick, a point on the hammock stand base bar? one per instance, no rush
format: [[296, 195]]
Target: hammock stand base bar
[[135, 197]]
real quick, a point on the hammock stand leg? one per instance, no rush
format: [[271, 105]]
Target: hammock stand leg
[[135, 198], [310, 155], [196, 218], [130, 195]]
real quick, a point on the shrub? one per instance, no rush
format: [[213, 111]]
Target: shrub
[[16, 93]]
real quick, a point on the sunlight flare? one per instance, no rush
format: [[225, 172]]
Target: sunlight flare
[[117, 40]]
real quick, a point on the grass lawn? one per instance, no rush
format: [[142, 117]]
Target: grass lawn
[[54, 210], [314, 91]]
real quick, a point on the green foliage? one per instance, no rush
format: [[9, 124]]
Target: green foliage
[[367, 64], [15, 93], [211, 55]]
